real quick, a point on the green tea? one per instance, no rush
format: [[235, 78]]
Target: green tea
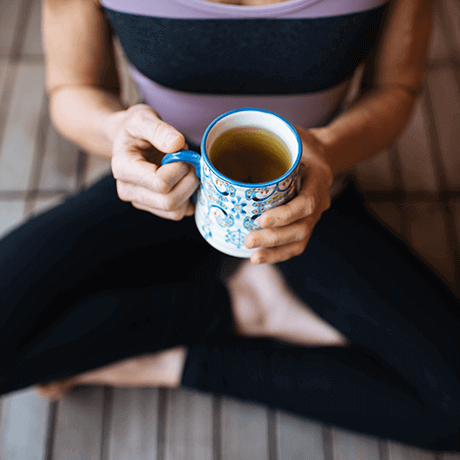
[[250, 155]]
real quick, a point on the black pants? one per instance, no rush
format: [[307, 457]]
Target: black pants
[[94, 281]]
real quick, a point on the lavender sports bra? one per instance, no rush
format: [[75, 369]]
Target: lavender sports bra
[[194, 60]]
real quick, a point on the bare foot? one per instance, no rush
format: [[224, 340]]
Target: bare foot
[[156, 369], [264, 305], [53, 391]]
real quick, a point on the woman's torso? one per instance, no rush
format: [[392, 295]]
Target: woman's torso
[[196, 59]]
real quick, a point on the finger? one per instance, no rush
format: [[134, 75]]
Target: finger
[[146, 124], [278, 236], [182, 192], [157, 201], [190, 210], [136, 170], [169, 175], [280, 254], [301, 206]]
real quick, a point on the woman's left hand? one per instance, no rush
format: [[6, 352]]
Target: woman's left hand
[[287, 229]]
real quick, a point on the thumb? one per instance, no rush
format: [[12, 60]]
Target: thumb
[[144, 123]]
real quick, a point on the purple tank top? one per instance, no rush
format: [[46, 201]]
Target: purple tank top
[[281, 57]]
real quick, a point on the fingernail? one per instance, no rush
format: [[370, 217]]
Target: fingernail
[[170, 139]]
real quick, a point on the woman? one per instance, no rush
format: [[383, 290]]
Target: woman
[[332, 318]]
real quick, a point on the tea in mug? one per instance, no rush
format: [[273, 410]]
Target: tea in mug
[[250, 155]]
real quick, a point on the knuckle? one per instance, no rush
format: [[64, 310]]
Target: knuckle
[[138, 206], [161, 130], [299, 248], [304, 202], [137, 117], [304, 232], [141, 112], [116, 167], [162, 186], [273, 238], [168, 203], [122, 191], [291, 215], [177, 216]]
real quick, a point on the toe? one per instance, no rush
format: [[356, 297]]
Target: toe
[[54, 390]]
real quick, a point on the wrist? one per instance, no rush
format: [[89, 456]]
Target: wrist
[[316, 141], [321, 140], [112, 124]]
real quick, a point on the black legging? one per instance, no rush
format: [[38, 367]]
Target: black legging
[[94, 281]]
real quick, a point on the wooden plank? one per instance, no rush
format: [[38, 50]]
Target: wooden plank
[[32, 44], [11, 215], [59, 167], [298, 438], [41, 205], [189, 426], [96, 168], [427, 236], [348, 445], [389, 214], [23, 426], [3, 70], [416, 160], [446, 106], [451, 15], [17, 149], [375, 173], [8, 24], [134, 424], [398, 451], [8, 73], [244, 430], [79, 427], [439, 48]]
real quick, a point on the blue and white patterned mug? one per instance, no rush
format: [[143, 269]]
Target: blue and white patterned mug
[[227, 210]]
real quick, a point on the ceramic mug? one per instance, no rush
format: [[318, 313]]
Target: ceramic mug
[[227, 210]]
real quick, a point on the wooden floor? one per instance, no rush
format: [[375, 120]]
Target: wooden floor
[[414, 188]]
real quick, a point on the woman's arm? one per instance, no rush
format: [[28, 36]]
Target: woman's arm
[[83, 87], [394, 74], [392, 80], [81, 76]]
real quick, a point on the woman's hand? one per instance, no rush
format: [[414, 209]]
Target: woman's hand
[[140, 144], [286, 229]]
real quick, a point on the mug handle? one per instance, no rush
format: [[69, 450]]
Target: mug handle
[[189, 156]]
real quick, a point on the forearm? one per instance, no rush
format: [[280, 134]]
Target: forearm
[[80, 114], [367, 128]]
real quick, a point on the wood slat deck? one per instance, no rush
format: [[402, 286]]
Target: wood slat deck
[[413, 187]]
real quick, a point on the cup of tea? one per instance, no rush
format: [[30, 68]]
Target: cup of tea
[[249, 164]]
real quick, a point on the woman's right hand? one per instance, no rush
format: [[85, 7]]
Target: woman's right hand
[[140, 143]]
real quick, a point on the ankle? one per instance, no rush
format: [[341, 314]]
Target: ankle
[[170, 365]]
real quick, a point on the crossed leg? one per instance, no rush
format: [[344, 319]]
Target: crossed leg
[[262, 306]]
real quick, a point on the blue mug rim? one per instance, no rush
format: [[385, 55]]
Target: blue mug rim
[[247, 184]]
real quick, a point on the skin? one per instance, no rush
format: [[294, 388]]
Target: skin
[[83, 88]]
